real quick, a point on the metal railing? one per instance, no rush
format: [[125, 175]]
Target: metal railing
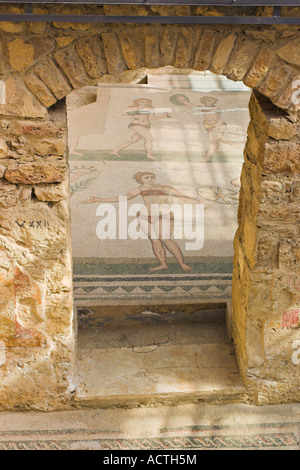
[[276, 18]]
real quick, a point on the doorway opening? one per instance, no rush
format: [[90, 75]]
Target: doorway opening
[[154, 310]]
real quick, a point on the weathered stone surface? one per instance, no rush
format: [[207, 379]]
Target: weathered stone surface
[[126, 10], [168, 44], [273, 123], [222, 53], [21, 102], [180, 10], [289, 255], [152, 49], [282, 157], [275, 81], [21, 54], [50, 147], [72, 10], [260, 67], [91, 52], [268, 35], [289, 97], [3, 149], [73, 67], [290, 52], [53, 78], [64, 40], [43, 128], [113, 53], [53, 193], [240, 59], [132, 45], [281, 129], [12, 27], [184, 48], [205, 50], [50, 170], [40, 90]]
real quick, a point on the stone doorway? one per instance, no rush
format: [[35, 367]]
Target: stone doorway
[[37, 328], [144, 335]]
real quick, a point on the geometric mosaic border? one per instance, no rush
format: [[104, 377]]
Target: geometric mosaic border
[[280, 436]]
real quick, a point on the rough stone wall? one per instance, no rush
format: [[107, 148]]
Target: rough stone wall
[[40, 64], [266, 295]]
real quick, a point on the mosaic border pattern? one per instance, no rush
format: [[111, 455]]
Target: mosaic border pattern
[[280, 436], [216, 287]]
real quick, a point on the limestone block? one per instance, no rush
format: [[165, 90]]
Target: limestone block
[[47, 170], [152, 46], [3, 148], [205, 50], [135, 10], [36, 128], [282, 157], [289, 98], [289, 255], [275, 81], [240, 59], [168, 44], [267, 250], [255, 346], [91, 52], [20, 102], [269, 120], [112, 50], [53, 78], [2, 170], [12, 27], [271, 191], [281, 129], [51, 193], [183, 10], [72, 10], [288, 213], [184, 48], [222, 53], [9, 194], [65, 40], [38, 28], [267, 35], [132, 45], [50, 147], [290, 52], [260, 67], [73, 67], [40, 90], [21, 54]]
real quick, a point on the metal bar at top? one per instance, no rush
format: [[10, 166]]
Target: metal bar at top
[[255, 20], [239, 3]]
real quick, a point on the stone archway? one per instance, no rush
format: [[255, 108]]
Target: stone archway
[[36, 316]]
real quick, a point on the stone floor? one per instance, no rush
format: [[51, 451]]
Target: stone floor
[[149, 357], [173, 357]]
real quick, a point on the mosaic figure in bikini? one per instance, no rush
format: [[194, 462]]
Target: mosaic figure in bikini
[[140, 114], [213, 122], [157, 226]]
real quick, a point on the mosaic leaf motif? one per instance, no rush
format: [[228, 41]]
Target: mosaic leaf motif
[[218, 195]]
